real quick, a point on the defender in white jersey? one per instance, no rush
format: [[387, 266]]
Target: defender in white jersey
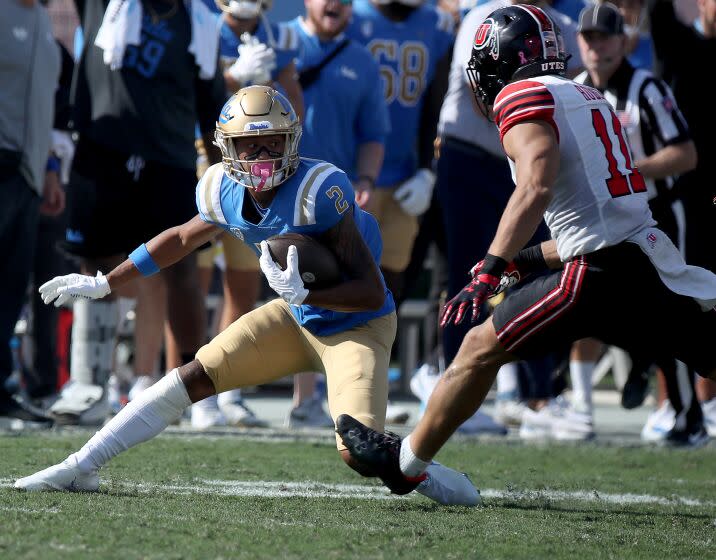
[[571, 164]]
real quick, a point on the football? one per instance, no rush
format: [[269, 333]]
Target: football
[[316, 263]]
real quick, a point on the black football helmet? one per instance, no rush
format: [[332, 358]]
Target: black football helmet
[[513, 43]]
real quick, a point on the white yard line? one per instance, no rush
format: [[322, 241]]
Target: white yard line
[[309, 489]]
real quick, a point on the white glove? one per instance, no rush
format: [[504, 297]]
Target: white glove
[[415, 194], [74, 286], [255, 63], [64, 148], [286, 283]]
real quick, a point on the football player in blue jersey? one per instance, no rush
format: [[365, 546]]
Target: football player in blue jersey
[[263, 188], [254, 51], [411, 42]]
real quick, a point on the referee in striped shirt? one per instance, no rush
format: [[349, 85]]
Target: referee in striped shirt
[[662, 149]]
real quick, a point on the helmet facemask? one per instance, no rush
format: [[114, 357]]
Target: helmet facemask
[[485, 83], [254, 172]]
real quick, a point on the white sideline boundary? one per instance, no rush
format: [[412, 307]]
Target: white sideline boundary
[[311, 489]]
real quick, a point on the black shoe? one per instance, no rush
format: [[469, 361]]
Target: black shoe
[[380, 453], [11, 408], [693, 437], [635, 389]]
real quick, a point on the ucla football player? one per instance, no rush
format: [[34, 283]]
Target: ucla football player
[[254, 51], [411, 42], [260, 189]]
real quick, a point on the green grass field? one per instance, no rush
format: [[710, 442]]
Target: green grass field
[[229, 497]]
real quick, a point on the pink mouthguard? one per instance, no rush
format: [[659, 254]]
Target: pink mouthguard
[[264, 170]]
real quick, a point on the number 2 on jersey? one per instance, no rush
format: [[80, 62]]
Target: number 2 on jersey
[[621, 181]]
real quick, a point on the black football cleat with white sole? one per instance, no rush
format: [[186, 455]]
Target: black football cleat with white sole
[[380, 452]]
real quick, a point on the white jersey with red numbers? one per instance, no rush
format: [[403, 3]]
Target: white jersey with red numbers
[[599, 198]]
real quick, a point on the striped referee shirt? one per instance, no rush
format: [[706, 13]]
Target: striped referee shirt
[[648, 113]]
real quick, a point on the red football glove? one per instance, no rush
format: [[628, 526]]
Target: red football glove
[[485, 283]]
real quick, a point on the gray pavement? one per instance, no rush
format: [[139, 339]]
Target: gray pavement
[[613, 424]]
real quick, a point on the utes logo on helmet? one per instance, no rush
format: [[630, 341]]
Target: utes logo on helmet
[[486, 38]]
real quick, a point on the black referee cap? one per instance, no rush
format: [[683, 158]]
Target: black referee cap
[[604, 17]]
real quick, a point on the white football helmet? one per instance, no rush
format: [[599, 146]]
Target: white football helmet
[[411, 3], [244, 9], [258, 111]]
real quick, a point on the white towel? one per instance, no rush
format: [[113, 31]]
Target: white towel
[[679, 277], [122, 26], [204, 37]]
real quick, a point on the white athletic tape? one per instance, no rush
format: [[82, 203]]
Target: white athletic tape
[[94, 326]]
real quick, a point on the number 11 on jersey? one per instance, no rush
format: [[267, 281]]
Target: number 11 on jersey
[[621, 181]]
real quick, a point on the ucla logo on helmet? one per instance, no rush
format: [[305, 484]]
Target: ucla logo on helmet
[[225, 115], [486, 38], [259, 125]]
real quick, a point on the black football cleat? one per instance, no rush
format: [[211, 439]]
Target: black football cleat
[[379, 452]]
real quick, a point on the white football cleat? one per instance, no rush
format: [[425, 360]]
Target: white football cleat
[[448, 487], [237, 413], [537, 425], [141, 384], [659, 423], [509, 411], [396, 414], [709, 410], [63, 477], [205, 414]]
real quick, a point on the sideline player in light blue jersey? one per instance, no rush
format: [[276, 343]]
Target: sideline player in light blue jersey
[[267, 50], [346, 119], [263, 188], [409, 40]]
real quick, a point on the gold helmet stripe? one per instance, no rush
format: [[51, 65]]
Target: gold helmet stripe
[[305, 208]]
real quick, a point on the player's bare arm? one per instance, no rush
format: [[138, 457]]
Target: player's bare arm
[[670, 160], [534, 149], [362, 290], [167, 248], [550, 255], [368, 164]]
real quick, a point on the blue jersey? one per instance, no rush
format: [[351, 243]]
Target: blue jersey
[[311, 201], [407, 53], [343, 108], [281, 38]]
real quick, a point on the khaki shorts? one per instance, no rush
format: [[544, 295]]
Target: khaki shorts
[[397, 228], [268, 344], [237, 254]]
